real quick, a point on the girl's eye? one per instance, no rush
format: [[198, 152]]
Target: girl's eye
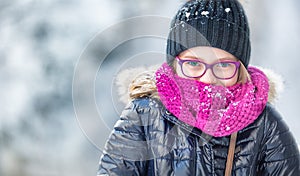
[[193, 63], [223, 64]]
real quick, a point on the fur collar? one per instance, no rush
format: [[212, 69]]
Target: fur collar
[[143, 85]]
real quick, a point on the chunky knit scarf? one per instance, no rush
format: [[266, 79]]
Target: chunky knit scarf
[[216, 110]]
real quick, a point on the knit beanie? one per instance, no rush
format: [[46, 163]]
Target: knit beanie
[[217, 23]]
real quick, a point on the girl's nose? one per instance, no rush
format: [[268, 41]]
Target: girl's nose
[[208, 78]]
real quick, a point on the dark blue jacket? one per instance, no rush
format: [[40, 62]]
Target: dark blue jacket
[[148, 140]]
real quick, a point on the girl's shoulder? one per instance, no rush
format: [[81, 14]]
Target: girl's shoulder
[[273, 119], [139, 86]]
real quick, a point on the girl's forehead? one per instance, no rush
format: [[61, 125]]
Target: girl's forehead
[[207, 53]]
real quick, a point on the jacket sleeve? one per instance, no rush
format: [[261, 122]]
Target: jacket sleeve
[[125, 151], [280, 153]]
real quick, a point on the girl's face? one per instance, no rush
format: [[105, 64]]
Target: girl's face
[[226, 65]]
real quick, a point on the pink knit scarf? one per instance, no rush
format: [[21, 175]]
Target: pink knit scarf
[[216, 110]]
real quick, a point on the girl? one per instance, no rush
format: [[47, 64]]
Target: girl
[[204, 111]]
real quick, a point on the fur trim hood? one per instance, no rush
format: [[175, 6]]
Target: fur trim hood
[[143, 84]]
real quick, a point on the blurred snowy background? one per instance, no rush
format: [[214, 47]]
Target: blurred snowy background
[[40, 44]]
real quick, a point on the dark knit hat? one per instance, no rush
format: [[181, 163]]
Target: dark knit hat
[[216, 23]]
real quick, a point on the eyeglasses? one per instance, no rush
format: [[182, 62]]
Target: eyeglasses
[[195, 68]]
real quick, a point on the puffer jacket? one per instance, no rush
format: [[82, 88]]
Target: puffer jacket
[[148, 140]]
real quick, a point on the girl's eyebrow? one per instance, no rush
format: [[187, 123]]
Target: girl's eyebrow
[[228, 58], [192, 57]]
